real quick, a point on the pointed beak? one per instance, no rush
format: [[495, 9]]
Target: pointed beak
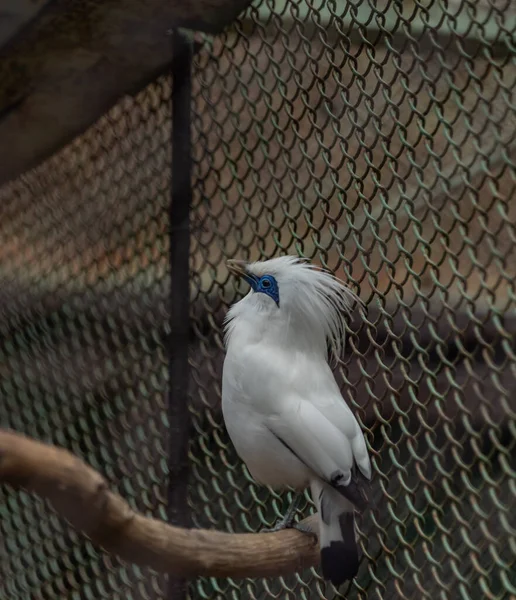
[[237, 267]]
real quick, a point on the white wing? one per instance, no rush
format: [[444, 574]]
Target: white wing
[[337, 412], [322, 446], [297, 398]]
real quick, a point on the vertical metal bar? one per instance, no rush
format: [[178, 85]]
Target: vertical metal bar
[[178, 416]]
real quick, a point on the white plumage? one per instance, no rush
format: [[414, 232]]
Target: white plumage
[[282, 407]]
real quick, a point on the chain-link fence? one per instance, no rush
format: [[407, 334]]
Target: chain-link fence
[[376, 138]]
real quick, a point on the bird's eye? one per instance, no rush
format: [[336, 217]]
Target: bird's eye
[[266, 283]]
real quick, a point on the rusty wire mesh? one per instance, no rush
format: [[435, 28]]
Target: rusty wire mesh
[[375, 138]]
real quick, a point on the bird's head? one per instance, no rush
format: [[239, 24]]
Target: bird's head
[[261, 276], [311, 301]]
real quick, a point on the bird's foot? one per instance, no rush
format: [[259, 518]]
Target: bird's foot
[[306, 529], [288, 520], [286, 523]]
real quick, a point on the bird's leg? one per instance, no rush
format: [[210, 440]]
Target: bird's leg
[[287, 521]]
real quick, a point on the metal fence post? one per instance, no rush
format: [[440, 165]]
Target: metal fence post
[[181, 198]]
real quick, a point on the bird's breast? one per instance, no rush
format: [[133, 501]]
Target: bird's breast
[[261, 377]]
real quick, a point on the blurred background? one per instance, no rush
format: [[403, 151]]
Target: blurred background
[[375, 138]]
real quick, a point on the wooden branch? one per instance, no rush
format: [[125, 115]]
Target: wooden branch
[[81, 495]]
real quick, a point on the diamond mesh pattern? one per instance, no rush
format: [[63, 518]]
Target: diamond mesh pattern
[[366, 136]]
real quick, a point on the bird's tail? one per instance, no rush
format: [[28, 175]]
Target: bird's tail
[[339, 550]]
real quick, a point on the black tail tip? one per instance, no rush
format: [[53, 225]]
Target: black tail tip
[[339, 562]]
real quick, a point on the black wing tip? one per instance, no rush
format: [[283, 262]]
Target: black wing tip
[[339, 562], [354, 493]]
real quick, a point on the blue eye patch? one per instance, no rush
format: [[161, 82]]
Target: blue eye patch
[[266, 284]]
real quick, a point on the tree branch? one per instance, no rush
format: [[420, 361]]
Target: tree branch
[[81, 495]]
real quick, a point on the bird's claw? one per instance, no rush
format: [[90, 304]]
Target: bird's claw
[[306, 529], [289, 524], [285, 523]]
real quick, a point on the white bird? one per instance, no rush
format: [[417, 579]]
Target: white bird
[[282, 407]]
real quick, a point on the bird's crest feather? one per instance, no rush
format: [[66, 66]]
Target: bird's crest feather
[[314, 298]]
